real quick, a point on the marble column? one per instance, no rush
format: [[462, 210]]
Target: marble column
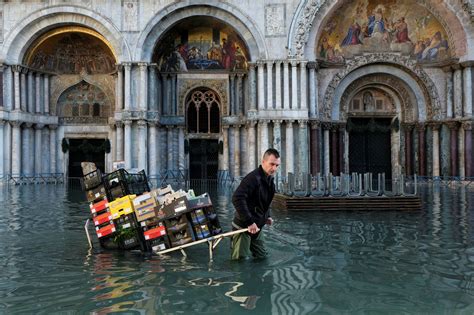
[[436, 168], [278, 104], [408, 149], [2, 148], [326, 155], [38, 148], [341, 137], [128, 86], [38, 93], [461, 148], [31, 94], [26, 151], [181, 156], [263, 126], [286, 86], [16, 87], [294, 85], [232, 103], [270, 84], [239, 94], [127, 154], [53, 148], [277, 140], [289, 154], [468, 154], [119, 140], [313, 90], [303, 146], [458, 103], [142, 145], [467, 88], [143, 86], [237, 161], [260, 84], [314, 144], [304, 83], [174, 107], [252, 87], [453, 126], [7, 167], [16, 148], [449, 92], [225, 143], [152, 152], [420, 127], [153, 88], [334, 150], [251, 146], [46, 93], [46, 145], [23, 90], [169, 148], [119, 89]]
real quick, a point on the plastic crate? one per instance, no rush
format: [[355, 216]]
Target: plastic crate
[[121, 206], [176, 207], [105, 230], [153, 233], [201, 231], [102, 218], [92, 179], [96, 194], [99, 206], [121, 183]]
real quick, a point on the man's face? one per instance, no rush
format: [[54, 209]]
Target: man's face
[[270, 164]]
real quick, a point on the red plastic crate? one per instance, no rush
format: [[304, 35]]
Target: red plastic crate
[[99, 206], [106, 230], [102, 218], [154, 233]]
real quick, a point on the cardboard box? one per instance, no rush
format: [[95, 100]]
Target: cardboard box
[[144, 206], [198, 202]]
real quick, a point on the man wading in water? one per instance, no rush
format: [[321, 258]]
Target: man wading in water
[[252, 201]]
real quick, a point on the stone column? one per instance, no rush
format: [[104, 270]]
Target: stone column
[[327, 156], [449, 92], [119, 89], [23, 90], [119, 140], [260, 84], [420, 127], [174, 107], [169, 136], [435, 128], [334, 151], [251, 145], [53, 148], [270, 84], [278, 104], [453, 126], [16, 148], [143, 86], [152, 153], [253, 91], [232, 102], [303, 146], [26, 151], [408, 149], [458, 103], [127, 154], [289, 154], [467, 88], [31, 94], [239, 95], [313, 91], [16, 88], [128, 86], [294, 85], [46, 145], [237, 161], [38, 148], [38, 93], [303, 82], [468, 154], [314, 144], [153, 88], [142, 145], [460, 153], [277, 140], [2, 148], [341, 153], [286, 86], [225, 143], [181, 156], [263, 126], [46, 93]]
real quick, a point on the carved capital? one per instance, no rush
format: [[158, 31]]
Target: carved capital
[[2, 122], [127, 66], [142, 66], [53, 127], [434, 125], [277, 122], [17, 68], [141, 123], [302, 122], [326, 125], [313, 65], [251, 123], [27, 125], [39, 126], [452, 125], [251, 65], [408, 126], [118, 124], [467, 125], [127, 123], [16, 123], [263, 122], [420, 127], [294, 63], [315, 124]]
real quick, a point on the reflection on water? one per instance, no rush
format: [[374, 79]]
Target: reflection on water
[[321, 262]]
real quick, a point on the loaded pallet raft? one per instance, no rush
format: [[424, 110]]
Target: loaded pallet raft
[[128, 215]]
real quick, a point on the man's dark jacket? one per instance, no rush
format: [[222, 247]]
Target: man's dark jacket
[[252, 199]]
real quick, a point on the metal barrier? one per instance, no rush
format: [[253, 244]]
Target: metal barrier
[[42, 178]]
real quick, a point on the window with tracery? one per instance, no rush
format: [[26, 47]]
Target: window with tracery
[[203, 112]]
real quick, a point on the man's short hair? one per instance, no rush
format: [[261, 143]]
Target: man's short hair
[[271, 151]]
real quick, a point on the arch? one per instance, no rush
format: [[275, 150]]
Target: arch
[[402, 67], [203, 111], [37, 23], [228, 14], [307, 26]]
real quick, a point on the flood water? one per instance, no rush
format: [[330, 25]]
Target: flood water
[[321, 262]]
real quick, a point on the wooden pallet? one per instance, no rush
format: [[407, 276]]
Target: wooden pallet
[[349, 203]]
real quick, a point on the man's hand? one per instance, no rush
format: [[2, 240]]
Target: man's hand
[[253, 228], [269, 221]]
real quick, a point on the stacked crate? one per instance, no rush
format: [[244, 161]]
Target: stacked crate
[[102, 217], [178, 226], [203, 217], [128, 234], [120, 183]]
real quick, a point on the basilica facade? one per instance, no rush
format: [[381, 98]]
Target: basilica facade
[[205, 87]]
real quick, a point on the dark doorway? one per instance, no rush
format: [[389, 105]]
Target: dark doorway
[[369, 146], [203, 158], [85, 150]]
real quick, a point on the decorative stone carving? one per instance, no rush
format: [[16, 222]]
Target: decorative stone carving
[[187, 85], [467, 125], [433, 102], [275, 19], [130, 15], [303, 27]]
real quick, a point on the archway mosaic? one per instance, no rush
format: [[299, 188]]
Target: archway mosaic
[[383, 26], [201, 43]]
